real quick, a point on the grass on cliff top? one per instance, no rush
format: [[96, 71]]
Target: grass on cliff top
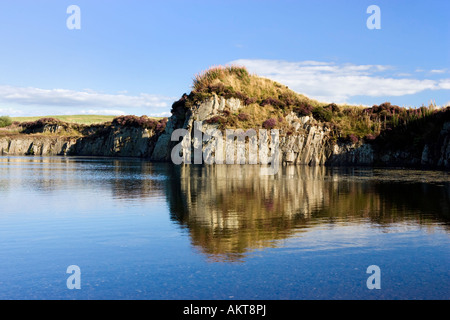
[[237, 82], [79, 119], [76, 125]]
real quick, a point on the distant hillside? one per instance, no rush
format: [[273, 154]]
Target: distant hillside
[[80, 119]]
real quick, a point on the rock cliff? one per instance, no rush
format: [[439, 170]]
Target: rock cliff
[[112, 141], [307, 142], [310, 143]]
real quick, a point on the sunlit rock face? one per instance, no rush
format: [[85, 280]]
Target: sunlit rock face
[[231, 210], [36, 146], [112, 142], [310, 143]]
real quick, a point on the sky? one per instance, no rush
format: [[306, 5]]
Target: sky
[[138, 57]]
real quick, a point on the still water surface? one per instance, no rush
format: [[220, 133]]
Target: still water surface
[[141, 230]]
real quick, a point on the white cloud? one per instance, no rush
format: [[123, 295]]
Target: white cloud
[[330, 82], [30, 96], [403, 74], [10, 111], [160, 114], [438, 71], [444, 84]]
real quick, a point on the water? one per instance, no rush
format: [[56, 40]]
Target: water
[[141, 230]]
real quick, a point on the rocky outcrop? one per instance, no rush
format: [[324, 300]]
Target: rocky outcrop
[[351, 154], [438, 154], [309, 143], [117, 142], [31, 145], [110, 142]]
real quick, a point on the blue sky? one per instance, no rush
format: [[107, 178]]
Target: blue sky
[[137, 57]]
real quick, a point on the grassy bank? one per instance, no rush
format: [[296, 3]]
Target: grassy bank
[[76, 125], [80, 119]]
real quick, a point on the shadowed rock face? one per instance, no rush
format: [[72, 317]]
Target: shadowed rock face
[[309, 144]]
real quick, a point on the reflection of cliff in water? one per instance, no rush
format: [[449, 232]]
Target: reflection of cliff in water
[[230, 210], [123, 179]]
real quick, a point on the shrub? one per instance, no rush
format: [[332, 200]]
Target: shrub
[[215, 119], [180, 104], [161, 126], [303, 109], [241, 96], [269, 124], [243, 117], [332, 107], [352, 138], [322, 114], [370, 137], [226, 112], [289, 98], [40, 123], [220, 121], [139, 122], [273, 102], [5, 121], [205, 78], [206, 91], [249, 101]]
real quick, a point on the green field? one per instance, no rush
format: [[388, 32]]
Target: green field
[[81, 119]]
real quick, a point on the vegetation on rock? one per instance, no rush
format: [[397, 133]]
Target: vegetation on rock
[[5, 121], [140, 122], [264, 101]]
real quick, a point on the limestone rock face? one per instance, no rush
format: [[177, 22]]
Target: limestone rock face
[[41, 146], [213, 106], [197, 141], [310, 143], [117, 142], [438, 154]]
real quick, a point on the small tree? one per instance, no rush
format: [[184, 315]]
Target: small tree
[[5, 121]]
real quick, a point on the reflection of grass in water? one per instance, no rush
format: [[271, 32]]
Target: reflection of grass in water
[[400, 175], [392, 175]]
